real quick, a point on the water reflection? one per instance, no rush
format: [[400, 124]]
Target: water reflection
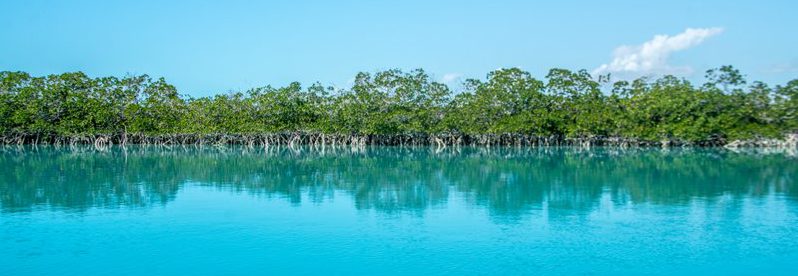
[[509, 182]]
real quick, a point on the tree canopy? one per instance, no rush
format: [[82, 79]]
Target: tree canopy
[[565, 103]]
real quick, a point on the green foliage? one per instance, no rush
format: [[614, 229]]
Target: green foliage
[[565, 104], [786, 108]]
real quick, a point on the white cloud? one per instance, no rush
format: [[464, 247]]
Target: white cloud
[[652, 56], [450, 77]]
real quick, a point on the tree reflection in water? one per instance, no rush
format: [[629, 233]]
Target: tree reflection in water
[[509, 182]]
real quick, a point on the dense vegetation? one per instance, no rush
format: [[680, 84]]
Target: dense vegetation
[[395, 107]]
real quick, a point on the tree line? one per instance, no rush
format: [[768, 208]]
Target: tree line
[[394, 103]]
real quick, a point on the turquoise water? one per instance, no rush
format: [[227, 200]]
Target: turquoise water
[[383, 211]]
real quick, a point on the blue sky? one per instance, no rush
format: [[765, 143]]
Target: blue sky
[[209, 47]]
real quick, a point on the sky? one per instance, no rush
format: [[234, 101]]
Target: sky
[[211, 47]]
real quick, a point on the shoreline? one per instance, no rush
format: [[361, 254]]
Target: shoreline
[[437, 140]]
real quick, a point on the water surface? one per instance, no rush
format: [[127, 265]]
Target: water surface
[[410, 211]]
